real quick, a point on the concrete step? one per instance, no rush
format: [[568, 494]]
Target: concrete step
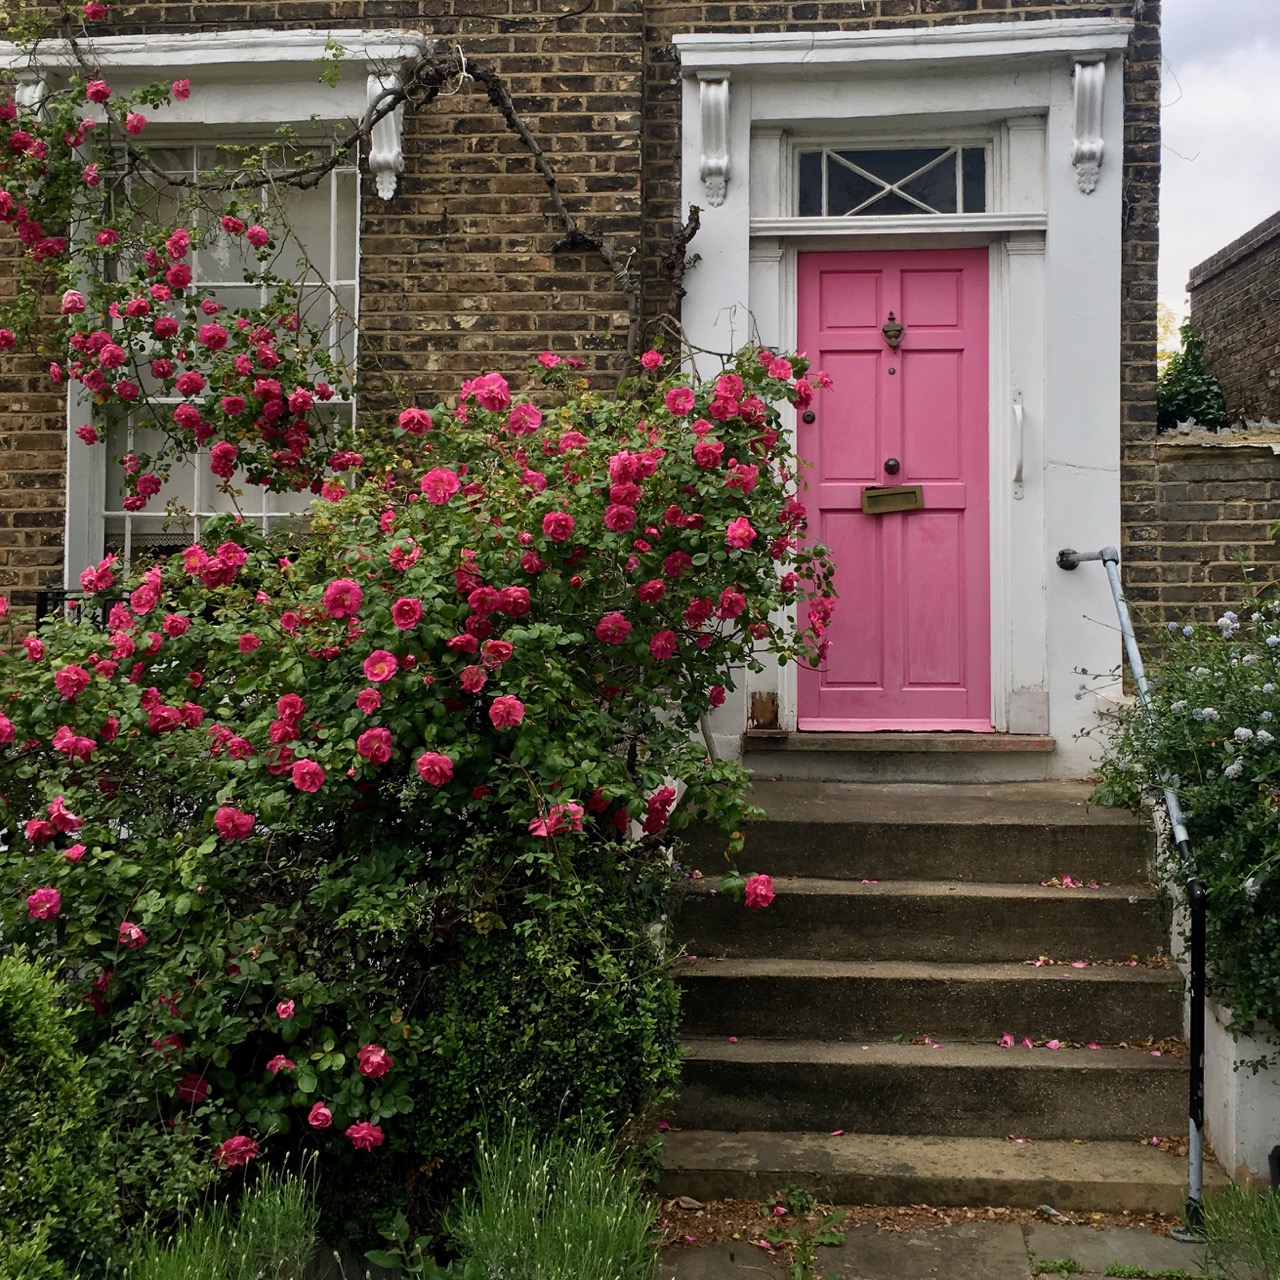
[[1106, 1177], [898, 757], [925, 920], [856, 1000], [1004, 833], [958, 1090]]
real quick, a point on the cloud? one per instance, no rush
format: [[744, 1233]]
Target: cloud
[[1196, 30], [1221, 152]]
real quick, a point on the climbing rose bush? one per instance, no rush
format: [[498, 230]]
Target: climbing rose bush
[[267, 799]]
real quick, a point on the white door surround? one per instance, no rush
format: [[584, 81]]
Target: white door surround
[[1045, 99]]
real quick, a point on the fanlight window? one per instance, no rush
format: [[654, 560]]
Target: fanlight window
[[892, 181]]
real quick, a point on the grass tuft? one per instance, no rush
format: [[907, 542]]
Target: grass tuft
[[553, 1210], [269, 1235]]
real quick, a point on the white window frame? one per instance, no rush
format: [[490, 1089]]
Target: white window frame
[[244, 83]]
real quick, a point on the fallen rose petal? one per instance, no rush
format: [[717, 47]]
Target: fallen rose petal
[[1155, 1053], [837, 1133], [1028, 1043], [1053, 1044], [1079, 964], [1093, 1044], [1006, 1041], [733, 1039], [690, 1239]]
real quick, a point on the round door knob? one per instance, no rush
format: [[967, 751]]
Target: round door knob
[[891, 465], [809, 416]]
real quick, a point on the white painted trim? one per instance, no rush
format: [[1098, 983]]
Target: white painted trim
[[971, 41], [1087, 147], [905, 224], [159, 56]]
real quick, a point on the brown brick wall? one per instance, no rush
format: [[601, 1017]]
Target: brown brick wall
[[1235, 308], [458, 273], [1217, 502]]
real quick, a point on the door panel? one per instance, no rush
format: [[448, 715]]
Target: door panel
[[910, 640]]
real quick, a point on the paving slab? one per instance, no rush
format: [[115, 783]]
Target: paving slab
[[963, 1251], [1095, 1251]]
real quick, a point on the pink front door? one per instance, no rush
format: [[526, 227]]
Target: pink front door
[[910, 639]]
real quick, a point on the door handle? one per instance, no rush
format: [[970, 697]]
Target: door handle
[[1019, 444]]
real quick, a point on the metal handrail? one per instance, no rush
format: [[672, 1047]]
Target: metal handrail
[[1197, 900]]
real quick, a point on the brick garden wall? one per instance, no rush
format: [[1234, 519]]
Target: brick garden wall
[[1218, 498], [1235, 308], [458, 271]]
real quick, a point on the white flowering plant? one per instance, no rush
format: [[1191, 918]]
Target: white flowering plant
[[1211, 733]]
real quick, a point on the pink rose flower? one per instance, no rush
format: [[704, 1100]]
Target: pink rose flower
[[131, 937], [375, 745], [307, 775], [280, 1063], [368, 700], [134, 123], [44, 904], [759, 892], [651, 360], [181, 90], [506, 712], [365, 1136], [71, 681], [213, 336], [284, 1009], [380, 666], [97, 91], [558, 526], [740, 534], [416, 422], [257, 236], [342, 598], [472, 679], [613, 628], [406, 613], [439, 485], [73, 301], [663, 646], [74, 854], [490, 391], [193, 1090], [374, 1061], [319, 1117], [248, 642], [679, 401], [233, 824], [435, 768], [523, 419], [236, 1152]]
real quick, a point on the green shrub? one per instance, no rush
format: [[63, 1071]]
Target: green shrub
[[1186, 389], [553, 1210], [1242, 1234], [1213, 732], [565, 1018], [57, 1217], [269, 1235]]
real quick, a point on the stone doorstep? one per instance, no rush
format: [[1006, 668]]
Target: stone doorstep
[[756, 741], [962, 1251]]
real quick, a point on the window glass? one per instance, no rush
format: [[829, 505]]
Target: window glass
[[321, 249], [879, 182]]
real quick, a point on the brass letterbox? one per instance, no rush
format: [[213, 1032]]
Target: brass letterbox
[[877, 500]]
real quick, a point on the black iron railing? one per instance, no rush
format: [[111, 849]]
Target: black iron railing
[[1196, 902]]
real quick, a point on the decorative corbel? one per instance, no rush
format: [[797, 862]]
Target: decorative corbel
[[1086, 145], [386, 155], [713, 168]]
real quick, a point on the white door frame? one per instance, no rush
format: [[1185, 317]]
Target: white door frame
[[751, 101]]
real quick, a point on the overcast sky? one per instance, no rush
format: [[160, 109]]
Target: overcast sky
[[1221, 98]]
